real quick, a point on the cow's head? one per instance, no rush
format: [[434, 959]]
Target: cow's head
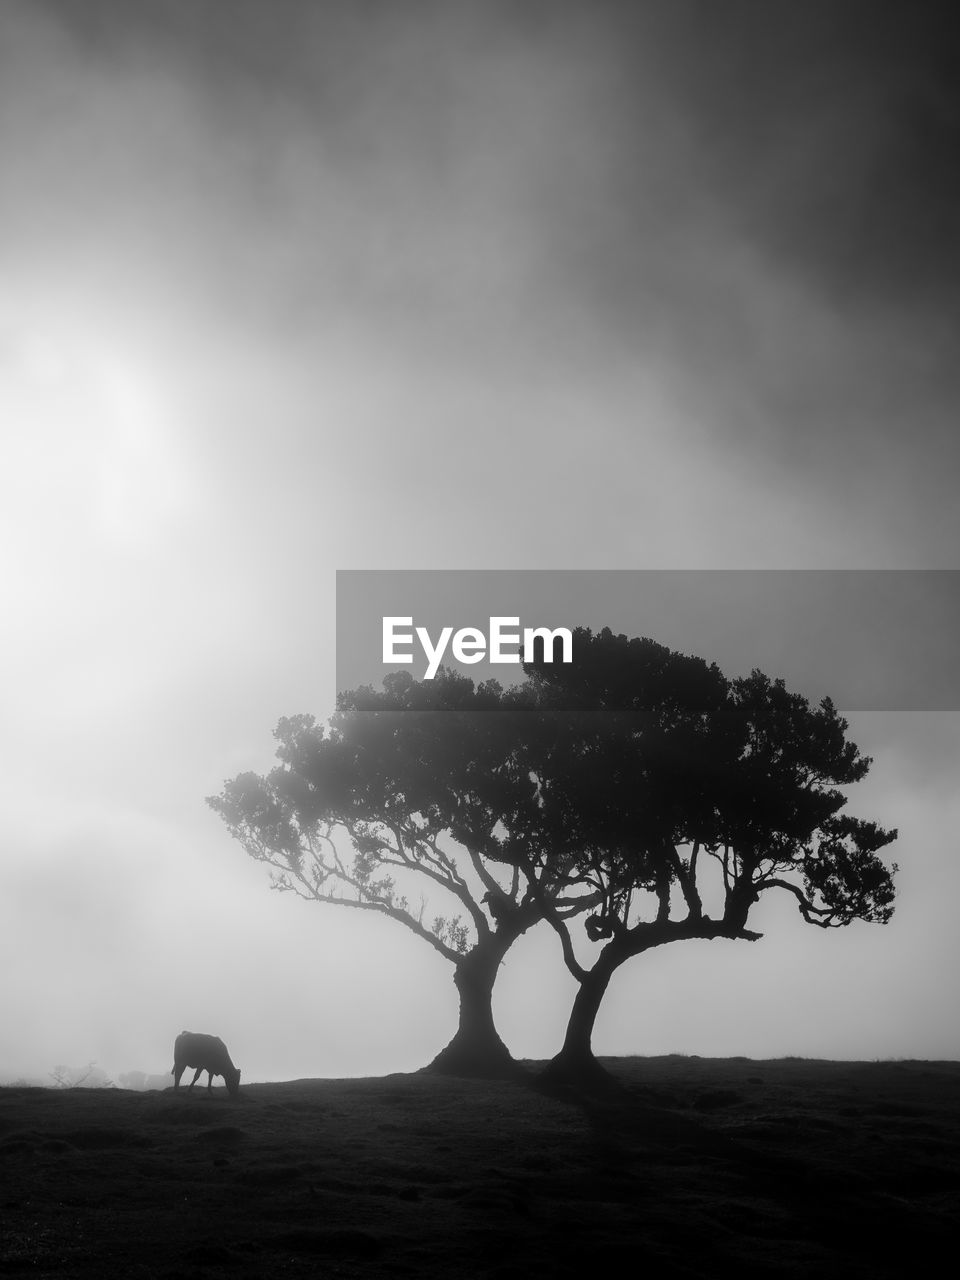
[[232, 1079]]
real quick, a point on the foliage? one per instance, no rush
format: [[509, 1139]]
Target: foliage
[[636, 783], [688, 767], [423, 781]]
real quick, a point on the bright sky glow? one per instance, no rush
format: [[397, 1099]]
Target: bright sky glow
[[87, 433]]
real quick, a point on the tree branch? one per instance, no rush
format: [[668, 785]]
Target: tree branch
[[554, 919], [366, 900], [809, 911]]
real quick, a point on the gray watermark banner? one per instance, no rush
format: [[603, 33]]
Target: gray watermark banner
[[870, 639]]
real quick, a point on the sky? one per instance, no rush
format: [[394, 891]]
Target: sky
[[288, 288]]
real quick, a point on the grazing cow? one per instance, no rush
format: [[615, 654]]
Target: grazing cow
[[206, 1053]]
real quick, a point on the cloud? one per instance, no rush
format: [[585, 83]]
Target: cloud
[[429, 285]]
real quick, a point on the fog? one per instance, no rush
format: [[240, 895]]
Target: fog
[[290, 288]]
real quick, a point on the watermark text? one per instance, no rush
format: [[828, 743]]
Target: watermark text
[[470, 644]]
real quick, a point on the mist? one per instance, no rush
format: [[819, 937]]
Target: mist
[[292, 288]]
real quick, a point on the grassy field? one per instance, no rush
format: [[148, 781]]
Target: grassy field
[[693, 1167]]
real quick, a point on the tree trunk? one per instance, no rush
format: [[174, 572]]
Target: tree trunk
[[476, 1049], [575, 1064]]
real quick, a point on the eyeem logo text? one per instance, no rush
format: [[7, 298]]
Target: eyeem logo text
[[469, 644]]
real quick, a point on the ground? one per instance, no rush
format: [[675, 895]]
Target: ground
[[692, 1168]]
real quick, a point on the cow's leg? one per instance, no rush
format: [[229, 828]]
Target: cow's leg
[[177, 1073], [209, 1081], [196, 1076]]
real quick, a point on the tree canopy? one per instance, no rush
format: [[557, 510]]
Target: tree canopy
[[706, 794], [636, 789], [422, 788]]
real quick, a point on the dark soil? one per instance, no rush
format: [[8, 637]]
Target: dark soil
[[693, 1167]]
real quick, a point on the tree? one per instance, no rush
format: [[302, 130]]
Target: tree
[[692, 772], [89, 1077], [431, 784], [635, 783]]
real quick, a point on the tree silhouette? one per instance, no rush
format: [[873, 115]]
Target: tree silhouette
[[691, 775], [423, 785], [635, 783]]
